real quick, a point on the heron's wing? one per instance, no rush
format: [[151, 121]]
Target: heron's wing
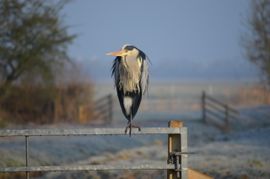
[[115, 70], [145, 75]]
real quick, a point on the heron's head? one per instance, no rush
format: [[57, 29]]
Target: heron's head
[[127, 50]]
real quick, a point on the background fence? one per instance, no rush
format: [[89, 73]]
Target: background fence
[[216, 112], [102, 110]]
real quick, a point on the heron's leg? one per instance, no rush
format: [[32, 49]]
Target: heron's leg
[[130, 126], [136, 126]]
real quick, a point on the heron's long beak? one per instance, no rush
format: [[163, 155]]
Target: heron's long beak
[[117, 54]]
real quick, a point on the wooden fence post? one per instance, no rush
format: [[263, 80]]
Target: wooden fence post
[[203, 107], [178, 143]]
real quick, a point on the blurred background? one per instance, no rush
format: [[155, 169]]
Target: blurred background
[[209, 68]]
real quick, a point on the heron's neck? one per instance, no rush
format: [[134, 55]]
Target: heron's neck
[[131, 63], [131, 74]]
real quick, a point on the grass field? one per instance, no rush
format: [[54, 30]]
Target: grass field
[[242, 153]]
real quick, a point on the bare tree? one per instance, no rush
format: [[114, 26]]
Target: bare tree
[[33, 40], [257, 41]]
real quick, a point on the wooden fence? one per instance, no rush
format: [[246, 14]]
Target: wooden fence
[[104, 108], [176, 165], [101, 110], [216, 112]]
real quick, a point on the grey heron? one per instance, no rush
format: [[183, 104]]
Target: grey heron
[[131, 78]]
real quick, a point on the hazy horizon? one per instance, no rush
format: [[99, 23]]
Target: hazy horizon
[[183, 39]]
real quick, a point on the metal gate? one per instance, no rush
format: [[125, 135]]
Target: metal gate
[[176, 165]]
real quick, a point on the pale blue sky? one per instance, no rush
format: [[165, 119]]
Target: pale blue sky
[[176, 35]]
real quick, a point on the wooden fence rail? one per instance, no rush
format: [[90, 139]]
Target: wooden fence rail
[[176, 165], [217, 112]]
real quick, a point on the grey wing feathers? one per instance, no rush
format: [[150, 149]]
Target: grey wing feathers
[[115, 70], [145, 76]]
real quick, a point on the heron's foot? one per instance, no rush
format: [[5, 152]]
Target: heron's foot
[[130, 126]]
